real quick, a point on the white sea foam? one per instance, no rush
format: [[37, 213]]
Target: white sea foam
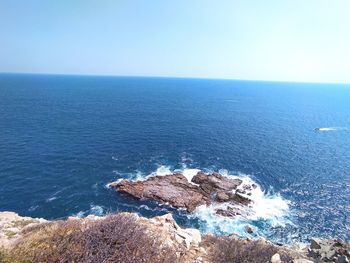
[[270, 207], [116, 181], [138, 176], [163, 170], [189, 173], [166, 170], [51, 199], [95, 210], [80, 214], [210, 222], [265, 206]]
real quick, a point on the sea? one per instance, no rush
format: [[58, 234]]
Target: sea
[[64, 138]]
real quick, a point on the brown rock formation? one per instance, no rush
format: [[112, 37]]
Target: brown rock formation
[[174, 189]]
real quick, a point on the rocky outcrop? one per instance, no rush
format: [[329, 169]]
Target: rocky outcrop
[[204, 189], [172, 232], [171, 189], [185, 240], [329, 251]]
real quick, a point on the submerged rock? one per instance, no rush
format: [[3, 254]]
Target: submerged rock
[[249, 229], [176, 190]]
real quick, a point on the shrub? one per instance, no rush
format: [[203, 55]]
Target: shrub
[[116, 238], [5, 257], [235, 250], [119, 238], [49, 242]]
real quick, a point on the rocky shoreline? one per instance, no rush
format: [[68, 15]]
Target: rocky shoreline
[[128, 237], [23, 238]]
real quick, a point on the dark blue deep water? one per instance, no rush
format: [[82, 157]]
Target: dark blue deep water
[[63, 138]]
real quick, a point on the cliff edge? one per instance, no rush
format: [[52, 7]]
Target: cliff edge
[[127, 237]]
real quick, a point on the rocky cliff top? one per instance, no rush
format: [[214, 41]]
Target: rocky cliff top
[[53, 241]]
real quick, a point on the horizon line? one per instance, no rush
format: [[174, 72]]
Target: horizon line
[[170, 77]]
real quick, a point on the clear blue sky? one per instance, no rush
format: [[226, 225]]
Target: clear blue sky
[[293, 40]]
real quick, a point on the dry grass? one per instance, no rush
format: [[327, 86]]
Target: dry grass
[[22, 223], [235, 250], [122, 238], [117, 238], [6, 258], [10, 233]]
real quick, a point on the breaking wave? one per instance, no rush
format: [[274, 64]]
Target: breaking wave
[[95, 210], [268, 209]]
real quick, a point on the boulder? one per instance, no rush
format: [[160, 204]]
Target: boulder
[[314, 244], [249, 229], [276, 258], [172, 233]]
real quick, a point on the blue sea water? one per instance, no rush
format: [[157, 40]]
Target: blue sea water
[[63, 138]]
